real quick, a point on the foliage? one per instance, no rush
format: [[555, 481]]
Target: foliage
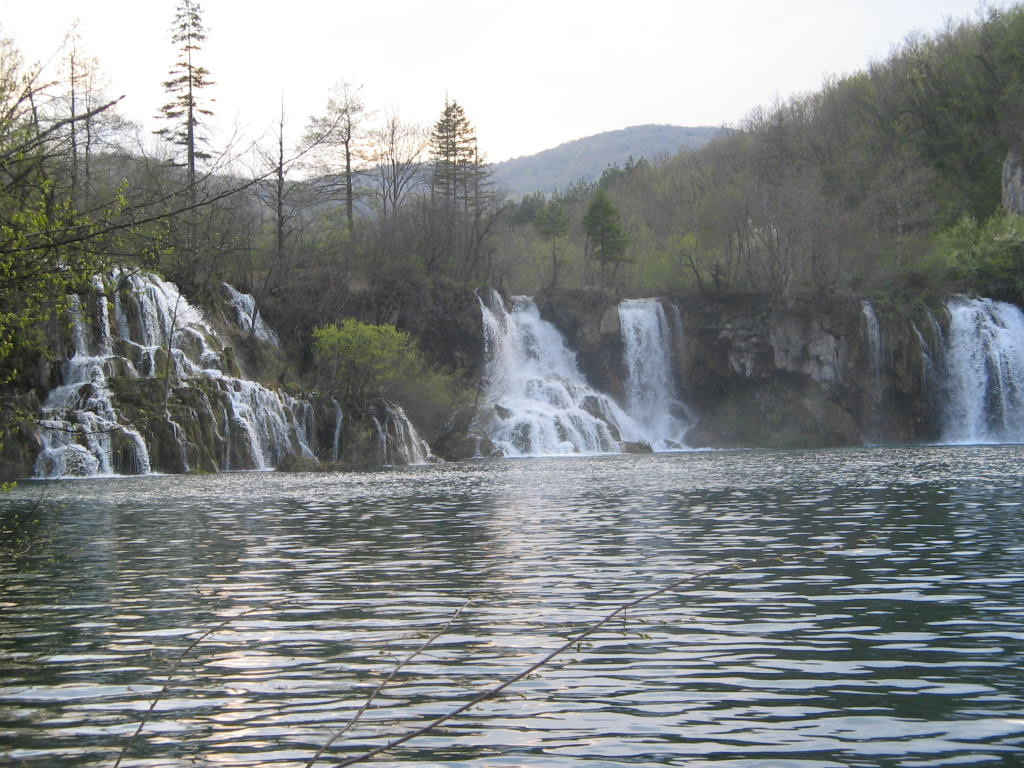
[[841, 190], [333, 141], [606, 240], [455, 155], [363, 362], [47, 248], [989, 255], [457, 218]]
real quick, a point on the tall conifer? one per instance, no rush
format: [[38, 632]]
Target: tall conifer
[[187, 79]]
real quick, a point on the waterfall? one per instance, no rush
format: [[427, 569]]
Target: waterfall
[[398, 442], [339, 423], [248, 316], [932, 341], [873, 338], [652, 398], [157, 335], [873, 335], [80, 431], [984, 400], [538, 402]]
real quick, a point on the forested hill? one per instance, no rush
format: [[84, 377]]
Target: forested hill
[[558, 168]]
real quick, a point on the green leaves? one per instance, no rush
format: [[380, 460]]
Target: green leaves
[[603, 227], [363, 361]]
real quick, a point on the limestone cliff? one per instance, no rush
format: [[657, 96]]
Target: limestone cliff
[[762, 375]]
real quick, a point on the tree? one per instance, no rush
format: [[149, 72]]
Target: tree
[[184, 110], [48, 248], [397, 152], [552, 222], [606, 241], [274, 192], [457, 166], [461, 198], [334, 139]]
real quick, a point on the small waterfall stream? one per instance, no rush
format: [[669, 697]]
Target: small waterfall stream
[[398, 442], [984, 399], [873, 342], [248, 316]]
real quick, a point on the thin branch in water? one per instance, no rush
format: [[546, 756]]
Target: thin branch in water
[[380, 686], [24, 518], [492, 692], [174, 669]]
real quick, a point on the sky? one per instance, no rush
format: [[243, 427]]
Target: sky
[[530, 74]]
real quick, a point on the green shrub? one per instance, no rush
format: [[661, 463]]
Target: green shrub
[[360, 363]]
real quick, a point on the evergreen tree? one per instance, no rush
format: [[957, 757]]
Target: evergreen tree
[[606, 241], [458, 168], [461, 199], [187, 79]]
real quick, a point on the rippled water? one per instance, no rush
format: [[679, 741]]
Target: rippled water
[[874, 615]]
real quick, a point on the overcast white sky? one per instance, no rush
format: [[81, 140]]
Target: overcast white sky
[[530, 74]]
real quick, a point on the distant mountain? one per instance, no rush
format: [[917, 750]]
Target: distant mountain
[[558, 168]]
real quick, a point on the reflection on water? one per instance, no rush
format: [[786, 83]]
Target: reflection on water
[[875, 614]]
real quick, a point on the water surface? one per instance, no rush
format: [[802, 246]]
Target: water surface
[[870, 612]]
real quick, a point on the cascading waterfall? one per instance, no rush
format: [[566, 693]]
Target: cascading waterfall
[[652, 398], [539, 403], [984, 372], [248, 316], [339, 424], [398, 442], [157, 334], [80, 431]]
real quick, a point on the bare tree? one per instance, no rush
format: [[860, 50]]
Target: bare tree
[[335, 141], [398, 148]]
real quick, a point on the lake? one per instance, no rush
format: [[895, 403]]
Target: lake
[[860, 607]]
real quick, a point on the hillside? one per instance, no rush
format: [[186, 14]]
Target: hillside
[[558, 168]]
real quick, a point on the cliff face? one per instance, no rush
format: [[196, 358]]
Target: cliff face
[[761, 375], [752, 373]]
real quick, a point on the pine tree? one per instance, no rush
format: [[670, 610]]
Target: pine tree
[[187, 78], [606, 240], [461, 197], [458, 168]]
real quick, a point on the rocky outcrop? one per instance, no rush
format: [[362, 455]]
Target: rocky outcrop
[[761, 374], [589, 320]]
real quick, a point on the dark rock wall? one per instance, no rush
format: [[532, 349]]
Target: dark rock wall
[[762, 375]]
